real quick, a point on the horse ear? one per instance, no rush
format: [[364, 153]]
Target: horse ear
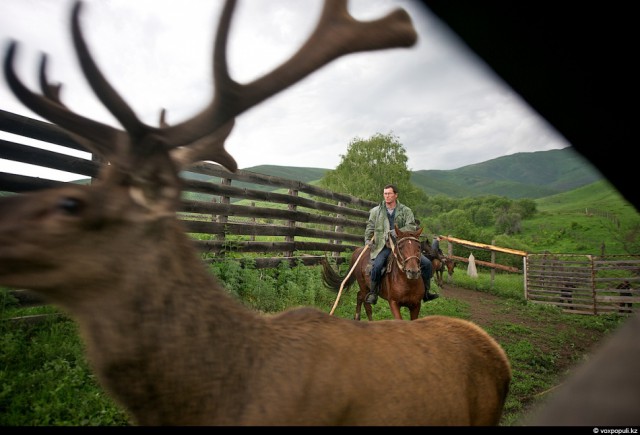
[[419, 232]]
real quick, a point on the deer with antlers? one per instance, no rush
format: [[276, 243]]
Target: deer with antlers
[[164, 337]]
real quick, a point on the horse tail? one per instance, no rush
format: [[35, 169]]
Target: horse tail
[[332, 279]]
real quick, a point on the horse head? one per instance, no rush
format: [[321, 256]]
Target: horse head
[[408, 252], [451, 265]]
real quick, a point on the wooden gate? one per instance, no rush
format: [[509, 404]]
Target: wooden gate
[[584, 284]]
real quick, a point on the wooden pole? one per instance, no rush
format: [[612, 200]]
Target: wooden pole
[[335, 304]]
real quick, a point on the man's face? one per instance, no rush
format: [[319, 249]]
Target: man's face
[[390, 196]]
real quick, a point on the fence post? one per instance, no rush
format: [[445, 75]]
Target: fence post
[[291, 224], [338, 229], [524, 276], [253, 221], [493, 260], [223, 219]]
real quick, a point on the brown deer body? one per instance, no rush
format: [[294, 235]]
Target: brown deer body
[[164, 337]]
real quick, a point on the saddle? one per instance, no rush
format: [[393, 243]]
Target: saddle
[[386, 269]]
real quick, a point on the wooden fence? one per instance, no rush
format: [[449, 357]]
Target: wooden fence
[[225, 212], [235, 213], [579, 284], [584, 284]]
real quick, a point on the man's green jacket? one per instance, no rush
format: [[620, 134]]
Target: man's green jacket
[[378, 224]]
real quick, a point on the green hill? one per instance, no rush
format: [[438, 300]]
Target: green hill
[[588, 219], [522, 175]]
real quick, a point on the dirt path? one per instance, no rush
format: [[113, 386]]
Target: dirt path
[[540, 328], [482, 305]]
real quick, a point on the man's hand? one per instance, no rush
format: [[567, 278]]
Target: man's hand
[[392, 233], [369, 243]]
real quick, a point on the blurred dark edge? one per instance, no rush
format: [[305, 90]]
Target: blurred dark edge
[[572, 63]]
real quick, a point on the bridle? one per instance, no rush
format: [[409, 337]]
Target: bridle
[[401, 260]]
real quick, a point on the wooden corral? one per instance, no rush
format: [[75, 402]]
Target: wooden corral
[[584, 284], [226, 212]]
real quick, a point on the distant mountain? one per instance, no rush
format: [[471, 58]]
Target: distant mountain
[[306, 175], [522, 175]]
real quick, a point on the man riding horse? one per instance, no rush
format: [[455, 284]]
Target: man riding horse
[[435, 246], [380, 228]]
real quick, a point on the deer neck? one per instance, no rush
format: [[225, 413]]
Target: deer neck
[[167, 307]]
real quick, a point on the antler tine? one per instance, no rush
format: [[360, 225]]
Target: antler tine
[[210, 147], [49, 90], [101, 87], [101, 138], [162, 122], [52, 92], [336, 34]]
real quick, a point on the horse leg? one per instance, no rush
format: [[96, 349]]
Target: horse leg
[[395, 309], [414, 312], [369, 311], [360, 297], [362, 278], [358, 307]]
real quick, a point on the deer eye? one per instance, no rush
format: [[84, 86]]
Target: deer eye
[[70, 205]]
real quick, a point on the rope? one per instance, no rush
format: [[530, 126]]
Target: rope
[[335, 304]]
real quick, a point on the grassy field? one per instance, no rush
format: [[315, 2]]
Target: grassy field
[[587, 220], [46, 381]]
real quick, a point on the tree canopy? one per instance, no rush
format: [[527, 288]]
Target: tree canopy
[[369, 165]]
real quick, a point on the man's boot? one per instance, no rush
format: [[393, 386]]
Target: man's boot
[[429, 296], [372, 296]]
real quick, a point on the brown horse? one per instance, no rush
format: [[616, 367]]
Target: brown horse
[[401, 284], [438, 268], [438, 265]]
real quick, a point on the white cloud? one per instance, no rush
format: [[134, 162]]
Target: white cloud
[[446, 107]]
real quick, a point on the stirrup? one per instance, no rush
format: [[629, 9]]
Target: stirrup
[[371, 298], [429, 296], [432, 296]]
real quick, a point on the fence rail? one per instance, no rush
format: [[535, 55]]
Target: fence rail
[[297, 225], [584, 284], [579, 284]]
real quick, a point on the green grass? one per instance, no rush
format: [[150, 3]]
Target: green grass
[[581, 220], [46, 380]]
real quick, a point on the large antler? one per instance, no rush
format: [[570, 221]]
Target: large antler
[[202, 137]]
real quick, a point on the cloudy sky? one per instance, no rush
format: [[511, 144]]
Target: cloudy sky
[[443, 104]]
